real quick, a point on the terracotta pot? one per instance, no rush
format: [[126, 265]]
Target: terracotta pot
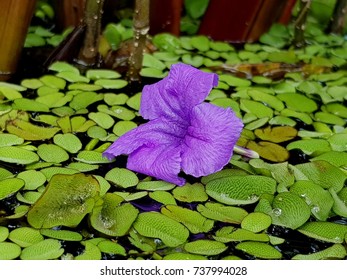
[[14, 22]]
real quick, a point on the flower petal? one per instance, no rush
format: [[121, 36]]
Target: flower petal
[[162, 162], [176, 95], [210, 139], [153, 133]]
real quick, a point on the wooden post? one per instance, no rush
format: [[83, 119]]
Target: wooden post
[[239, 21], [230, 20], [15, 17], [68, 12], [165, 16]]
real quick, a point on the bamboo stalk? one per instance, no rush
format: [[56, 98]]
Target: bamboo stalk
[[300, 23], [88, 54], [141, 28], [14, 22], [339, 17]]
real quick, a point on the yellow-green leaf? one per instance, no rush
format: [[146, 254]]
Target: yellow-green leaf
[[66, 200], [156, 225]]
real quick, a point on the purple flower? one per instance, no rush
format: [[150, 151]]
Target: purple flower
[[183, 132]]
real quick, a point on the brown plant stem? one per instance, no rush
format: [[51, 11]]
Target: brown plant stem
[[88, 54], [68, 49], [141, 28], [300, 23], [339, 17]]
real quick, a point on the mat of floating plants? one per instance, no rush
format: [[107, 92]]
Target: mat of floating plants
[[62, 198]]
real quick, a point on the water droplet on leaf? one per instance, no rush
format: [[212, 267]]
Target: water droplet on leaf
[[316, 209], [277, 211], [253, 197]]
